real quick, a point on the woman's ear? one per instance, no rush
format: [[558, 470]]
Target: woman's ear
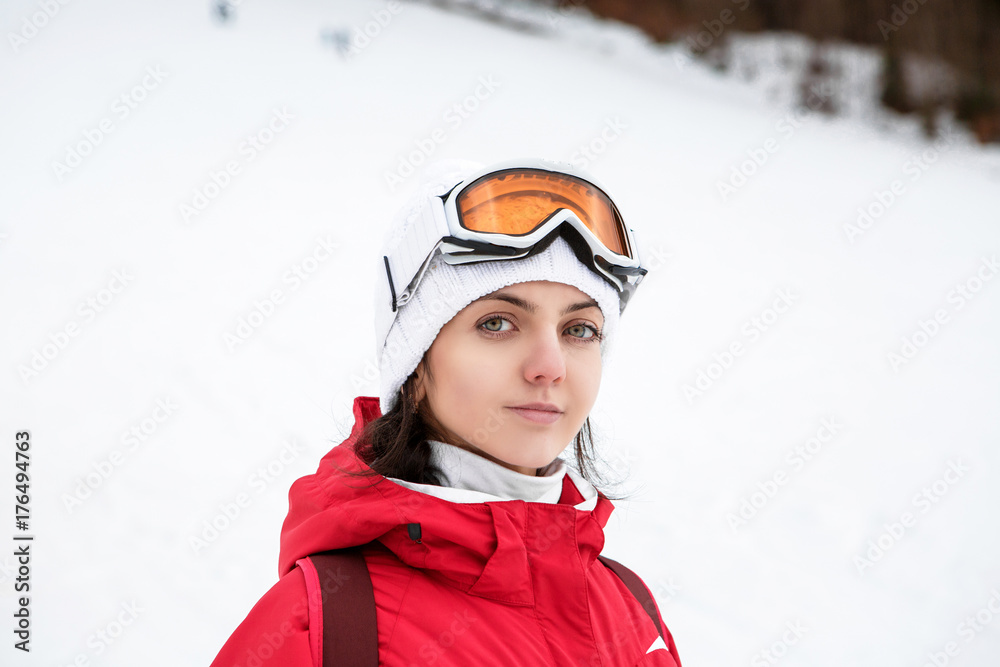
[[419, 391]]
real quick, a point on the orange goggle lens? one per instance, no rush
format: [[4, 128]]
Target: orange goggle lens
[[518, 201]]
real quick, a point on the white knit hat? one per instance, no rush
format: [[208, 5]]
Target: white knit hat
[[446, 289]]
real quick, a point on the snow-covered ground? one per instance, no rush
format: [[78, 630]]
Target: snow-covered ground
[[804, 392]]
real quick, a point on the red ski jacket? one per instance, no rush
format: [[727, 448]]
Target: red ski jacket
[[491, 583]]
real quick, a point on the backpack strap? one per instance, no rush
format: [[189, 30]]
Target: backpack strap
[[637, 588], [350, 636]]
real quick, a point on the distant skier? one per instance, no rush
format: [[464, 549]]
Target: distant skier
[[340, 39], [223, 10]]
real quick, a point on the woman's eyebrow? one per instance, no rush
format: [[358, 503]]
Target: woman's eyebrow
[[532, 308]]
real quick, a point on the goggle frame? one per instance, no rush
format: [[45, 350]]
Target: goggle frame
[[457, 244]]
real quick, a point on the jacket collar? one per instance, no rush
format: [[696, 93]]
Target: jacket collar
[[467, 477], [481, 548]]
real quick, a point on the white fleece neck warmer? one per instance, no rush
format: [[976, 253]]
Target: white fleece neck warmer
[[470, 478]]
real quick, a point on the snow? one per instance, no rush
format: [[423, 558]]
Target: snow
[[831, 305]]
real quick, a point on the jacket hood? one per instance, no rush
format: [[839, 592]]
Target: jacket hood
[[479, 547]]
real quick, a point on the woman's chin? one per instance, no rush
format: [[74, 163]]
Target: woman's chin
[[533, 460]]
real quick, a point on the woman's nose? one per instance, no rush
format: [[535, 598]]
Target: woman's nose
[[545, 359]]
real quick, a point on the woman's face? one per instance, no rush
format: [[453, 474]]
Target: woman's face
[[533, 342]]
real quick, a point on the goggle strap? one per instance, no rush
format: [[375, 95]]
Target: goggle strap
[[453, 245], [412, 256], [392, 288], [636, 243]]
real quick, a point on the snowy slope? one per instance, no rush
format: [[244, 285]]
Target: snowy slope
[[148, 422]]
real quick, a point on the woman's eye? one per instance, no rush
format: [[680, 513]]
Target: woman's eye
[[580, 331], [494, 324]]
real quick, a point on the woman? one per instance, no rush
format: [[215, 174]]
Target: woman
[[499, 293]]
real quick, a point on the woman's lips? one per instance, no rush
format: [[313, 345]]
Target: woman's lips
[[537, 416]]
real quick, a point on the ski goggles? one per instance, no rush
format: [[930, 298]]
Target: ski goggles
[[514, 210]]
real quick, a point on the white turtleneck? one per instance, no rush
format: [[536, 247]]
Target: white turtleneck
[[467, 477]]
